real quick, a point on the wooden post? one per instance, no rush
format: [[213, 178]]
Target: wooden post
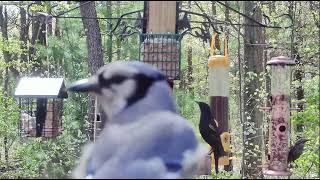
[[161, 18]]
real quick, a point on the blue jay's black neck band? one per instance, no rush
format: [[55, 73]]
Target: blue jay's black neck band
[[173, 167], [144, 82]]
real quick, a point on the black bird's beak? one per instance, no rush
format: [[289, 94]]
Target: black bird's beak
[[85, 85]]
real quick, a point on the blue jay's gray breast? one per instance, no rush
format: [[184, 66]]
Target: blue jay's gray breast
[[156, 139]]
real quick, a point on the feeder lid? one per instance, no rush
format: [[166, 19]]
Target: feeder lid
[[36, 87], [281, 60]]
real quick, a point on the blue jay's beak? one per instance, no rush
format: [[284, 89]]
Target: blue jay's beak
[[85, 85]]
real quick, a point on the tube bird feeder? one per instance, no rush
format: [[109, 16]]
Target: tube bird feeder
[[219, 94], [280, 69]]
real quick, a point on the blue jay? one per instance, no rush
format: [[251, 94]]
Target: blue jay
[[145, 137]]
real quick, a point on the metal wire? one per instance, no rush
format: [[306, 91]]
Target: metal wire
[[253, 20]]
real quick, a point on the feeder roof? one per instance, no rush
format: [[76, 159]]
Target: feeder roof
[[36, 87]]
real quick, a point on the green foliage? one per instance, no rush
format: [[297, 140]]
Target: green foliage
[[307, 165]]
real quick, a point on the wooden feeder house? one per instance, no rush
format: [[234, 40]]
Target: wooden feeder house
[[40, 103], [280, 69]]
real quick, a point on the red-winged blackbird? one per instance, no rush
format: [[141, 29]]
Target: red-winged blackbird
[[209, 132], [296, 150]]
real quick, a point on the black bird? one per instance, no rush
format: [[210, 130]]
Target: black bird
[[296, 150], [184, 22], [209, 132]]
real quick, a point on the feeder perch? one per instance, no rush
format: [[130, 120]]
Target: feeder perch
[[225, 140], [162, 50], [280, 69], [40, 103]]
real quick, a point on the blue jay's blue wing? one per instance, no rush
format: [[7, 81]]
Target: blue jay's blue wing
[[153, 147]]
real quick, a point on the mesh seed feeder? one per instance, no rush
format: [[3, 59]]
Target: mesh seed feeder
[[280, 70], [40, 103], [162, 50]]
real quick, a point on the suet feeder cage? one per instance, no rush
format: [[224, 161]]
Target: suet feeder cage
[[162, 50], [280, 70], [40, 102], [96, 116]]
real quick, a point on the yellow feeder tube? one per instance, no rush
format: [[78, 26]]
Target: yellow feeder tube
[[219, 93]]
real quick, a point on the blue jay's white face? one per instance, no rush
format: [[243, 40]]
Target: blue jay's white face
[[116, 87]]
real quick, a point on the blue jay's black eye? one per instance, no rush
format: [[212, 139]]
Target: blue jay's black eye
[[116, 79]]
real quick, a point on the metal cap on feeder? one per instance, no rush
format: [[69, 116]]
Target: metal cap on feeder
[[280, 71]]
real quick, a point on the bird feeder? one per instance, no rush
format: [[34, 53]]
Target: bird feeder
[[162, 50], [219, 93], [40, 103], [280, 69], [96, 116]]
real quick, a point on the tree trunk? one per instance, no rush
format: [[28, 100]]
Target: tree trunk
[[298, 73], [109, 29], [118, 41], [57, 32], [95, 53], [253, 61], [92, 31], [227, 19], [190, 69], [267, 84], [59, 60], [38, 36], [49, 26], [23, 34], [240, 97], [7, 58]]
